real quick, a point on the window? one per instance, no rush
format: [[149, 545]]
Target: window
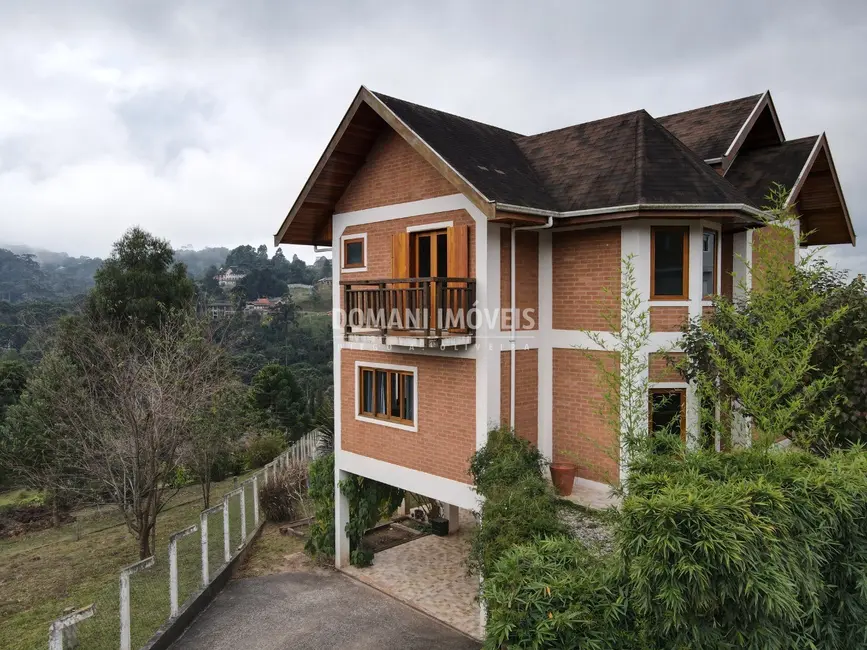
[[668, 409], [387, 394], [669, 263], [708, 263], [353, 252]]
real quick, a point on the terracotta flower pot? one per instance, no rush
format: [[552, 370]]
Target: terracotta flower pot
[[563, 476]]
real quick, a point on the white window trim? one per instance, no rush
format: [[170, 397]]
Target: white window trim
[[386, 423], [354, 269], [431, 226]]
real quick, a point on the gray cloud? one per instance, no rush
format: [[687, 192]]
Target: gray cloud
[[201, 120]]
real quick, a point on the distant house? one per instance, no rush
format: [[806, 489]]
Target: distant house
[[263, 305], [229, 278], [220, 309]]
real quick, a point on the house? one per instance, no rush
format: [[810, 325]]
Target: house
[[263, 305], [219, 309], [229, 278], [440, 225]]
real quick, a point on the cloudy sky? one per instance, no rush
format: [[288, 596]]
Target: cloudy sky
[[201, 120]]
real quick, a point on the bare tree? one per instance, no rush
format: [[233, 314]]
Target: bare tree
[[122, 408]]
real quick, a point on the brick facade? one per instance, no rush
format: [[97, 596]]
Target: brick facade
[[578, 425], [527, 274], [393, 173], [660, 369], [668, 319], [526, 392], [585, 263], [446, 436]]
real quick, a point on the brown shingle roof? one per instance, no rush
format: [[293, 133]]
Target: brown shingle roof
[[756, 170], [622, 160], [628, 159], [709, 130]]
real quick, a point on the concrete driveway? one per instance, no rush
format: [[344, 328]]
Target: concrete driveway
[[313, 610]]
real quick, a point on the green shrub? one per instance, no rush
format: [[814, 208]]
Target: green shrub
[[555, 593], [748, 549], [264, 448], [320, 544], [519, 504]]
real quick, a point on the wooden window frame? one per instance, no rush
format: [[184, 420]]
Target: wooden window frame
[[390, 372], [716, 255], [684, 275], [668, 391], [353, 239]]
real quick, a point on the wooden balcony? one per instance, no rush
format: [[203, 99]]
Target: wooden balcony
[[414, 312]]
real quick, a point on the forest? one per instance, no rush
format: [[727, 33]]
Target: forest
[[68, 324]]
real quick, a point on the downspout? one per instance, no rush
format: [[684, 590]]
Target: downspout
[[513, 328]]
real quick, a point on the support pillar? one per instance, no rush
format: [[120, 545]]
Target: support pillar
[[341, 518], [452, 513]]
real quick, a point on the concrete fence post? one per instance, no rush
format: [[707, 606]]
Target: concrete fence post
[[256, 500], [173, 567], [243, 498], [58, 629], [227, 551], [203, 527], [125, 617]]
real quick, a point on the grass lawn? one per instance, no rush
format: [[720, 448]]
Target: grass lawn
[[272, 553], [72, 566]]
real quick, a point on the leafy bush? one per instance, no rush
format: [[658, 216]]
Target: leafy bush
[[181, 477], [369, 502], [264, 448], [282, 497], [555, 593], [320, 544], [519, 504], [748, 549]]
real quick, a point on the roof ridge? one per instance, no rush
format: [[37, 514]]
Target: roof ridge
[[640, 150], [589, 122], [755, 97], [380, 95]]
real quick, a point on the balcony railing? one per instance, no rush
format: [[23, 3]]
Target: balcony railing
[[429, 308]]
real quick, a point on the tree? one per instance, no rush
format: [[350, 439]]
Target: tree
[[109, 412], [216, 430], [13, 379], [140, 283], [277, 396], [752, 361], [210, 284], [262, 283]]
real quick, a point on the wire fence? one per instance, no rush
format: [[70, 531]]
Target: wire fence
[[153, 591]]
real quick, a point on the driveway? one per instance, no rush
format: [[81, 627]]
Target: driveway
[[313, 610]]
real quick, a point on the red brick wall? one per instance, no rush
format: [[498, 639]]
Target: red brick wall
[[526, 392], [661, 370], [379, 234], [586, 261], [527, 272], [446, 436], [393, 173], [579, 427], [668, 319]]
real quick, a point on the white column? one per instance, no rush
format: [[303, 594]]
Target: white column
[[256, 500], [452, 513], [341, 518], [227, 550], [203, 528], [243, 497]]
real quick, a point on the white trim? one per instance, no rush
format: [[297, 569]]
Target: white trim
[[355, 269], [443, 489], [667, 385], [408, 209], [387, 423], [713, 161], [754, 114], [669, 303], [439, 225], [689, 207]]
